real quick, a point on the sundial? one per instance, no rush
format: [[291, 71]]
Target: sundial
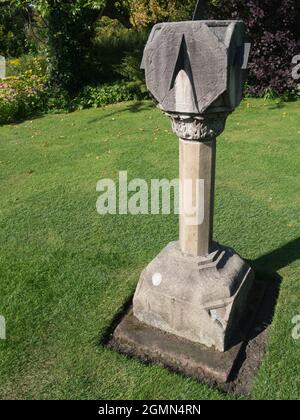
[[195, 71]]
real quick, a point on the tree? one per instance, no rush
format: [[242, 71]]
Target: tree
[[149, 12], [69, 31], [13, 23], [69, 44]]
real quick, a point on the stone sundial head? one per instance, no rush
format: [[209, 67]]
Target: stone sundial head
[[196, 67]]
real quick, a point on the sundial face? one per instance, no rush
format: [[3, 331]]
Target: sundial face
[[188, 46], [194, 66]]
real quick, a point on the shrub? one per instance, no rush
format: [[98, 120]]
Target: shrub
[[34, 63], [130, 70], [22, 97], [97, 96], [27, 92], [58, 99], [274, 31], [13, 67], [111, 50]]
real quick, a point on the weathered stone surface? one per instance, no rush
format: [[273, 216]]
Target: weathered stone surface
[[136, 338], [208, 53], [232, 371], [197, 162], [198, 298], [197, 128]]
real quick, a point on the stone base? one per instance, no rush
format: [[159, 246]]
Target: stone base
[[200, 299], [134, 338]]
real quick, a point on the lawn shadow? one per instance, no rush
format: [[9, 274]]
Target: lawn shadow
[[21, 120], [266, 268], [263, 305], [279, 258], [281, 103], [106, 336], [278, 105], [134, 107], [254, 348]]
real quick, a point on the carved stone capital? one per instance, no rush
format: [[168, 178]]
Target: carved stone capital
[[198, 128]]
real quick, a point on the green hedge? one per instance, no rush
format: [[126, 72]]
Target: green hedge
[[97, 96]]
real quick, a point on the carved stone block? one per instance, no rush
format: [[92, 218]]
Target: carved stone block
[[201, 299], [196, 67]]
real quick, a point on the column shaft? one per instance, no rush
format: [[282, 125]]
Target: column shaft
[[197, 163]]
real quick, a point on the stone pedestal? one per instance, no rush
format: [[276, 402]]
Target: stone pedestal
[[200, 299], [196, 289]]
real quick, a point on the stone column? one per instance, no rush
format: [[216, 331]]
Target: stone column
[[197, 151], [197, 163], [195, 288]]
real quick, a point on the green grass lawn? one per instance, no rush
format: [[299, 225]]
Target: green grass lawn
[[66, 271]]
